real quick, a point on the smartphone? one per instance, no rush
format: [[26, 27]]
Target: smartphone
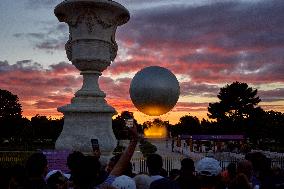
[[95, 144], [129, 123]]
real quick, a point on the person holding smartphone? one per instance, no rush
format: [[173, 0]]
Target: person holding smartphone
[[96, 148], [125, 157]]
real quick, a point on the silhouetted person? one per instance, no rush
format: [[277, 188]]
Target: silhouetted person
[[262, 171], [278, 178], [155, 167], [164, 183], [174, 174], [209, 173], [112, 162], [187, 179], [240, 182], [17, 177], [84, 170], [142, 181], [56, 180], [124, 182], [124, 160], [229, 174], [74, 162], [36, 169], [245, 167]]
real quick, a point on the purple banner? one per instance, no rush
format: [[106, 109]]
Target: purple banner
[[213, 137], [57, 160]]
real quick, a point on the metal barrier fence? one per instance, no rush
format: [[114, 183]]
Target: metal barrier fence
[[10, 158], [277, 162], [169, 163]]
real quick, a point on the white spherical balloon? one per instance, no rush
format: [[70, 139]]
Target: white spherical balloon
[[154, 90]]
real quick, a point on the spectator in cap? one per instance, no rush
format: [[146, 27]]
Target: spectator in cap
[[208, 171], [56, 180], [124, 182], [142, 181]]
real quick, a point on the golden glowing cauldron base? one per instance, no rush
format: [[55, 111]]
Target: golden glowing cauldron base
[[155, 132], [151, 110]]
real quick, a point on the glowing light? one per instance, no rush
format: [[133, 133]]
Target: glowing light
[[154, 110], [155, 132]]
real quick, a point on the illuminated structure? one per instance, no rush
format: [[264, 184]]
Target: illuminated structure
[[156, 132], [154, 90]]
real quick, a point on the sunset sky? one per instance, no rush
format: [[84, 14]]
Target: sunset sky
[[205, 43]]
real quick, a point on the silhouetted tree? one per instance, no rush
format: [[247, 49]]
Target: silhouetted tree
[[157, 122], [46, 128], [265, 130], [237, 102], [10, 108], [187, 124], [10, 114]]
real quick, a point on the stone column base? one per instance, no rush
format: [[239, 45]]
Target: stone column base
[[80, 127]]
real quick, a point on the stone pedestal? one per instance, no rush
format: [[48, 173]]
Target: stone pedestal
[[91, 48]]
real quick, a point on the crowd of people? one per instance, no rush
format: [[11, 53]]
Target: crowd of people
[[87, 172]]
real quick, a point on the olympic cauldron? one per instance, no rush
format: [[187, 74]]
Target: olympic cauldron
[[154, 90]]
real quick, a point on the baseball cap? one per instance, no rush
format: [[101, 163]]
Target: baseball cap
[[55, 171], [142, 181], [208, 167], [124, 182]]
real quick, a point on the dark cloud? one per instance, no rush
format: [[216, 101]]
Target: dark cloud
[[42, 3], [52, 102], [272, 95], [23, 65], [117, 89], [208, 43], [233, 25], [29, 35], [31, 81], [218, 42], [42, 90], [62, 67], [190, 107], [198, 89], [52, 37], [215, 42]]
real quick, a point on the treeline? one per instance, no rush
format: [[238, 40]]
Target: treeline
[[263, 130], [236, 112], [24, 134]]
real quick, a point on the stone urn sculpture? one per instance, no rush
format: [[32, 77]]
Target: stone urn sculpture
[[91, 48]]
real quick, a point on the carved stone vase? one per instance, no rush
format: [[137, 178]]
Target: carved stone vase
[[91, 48]]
